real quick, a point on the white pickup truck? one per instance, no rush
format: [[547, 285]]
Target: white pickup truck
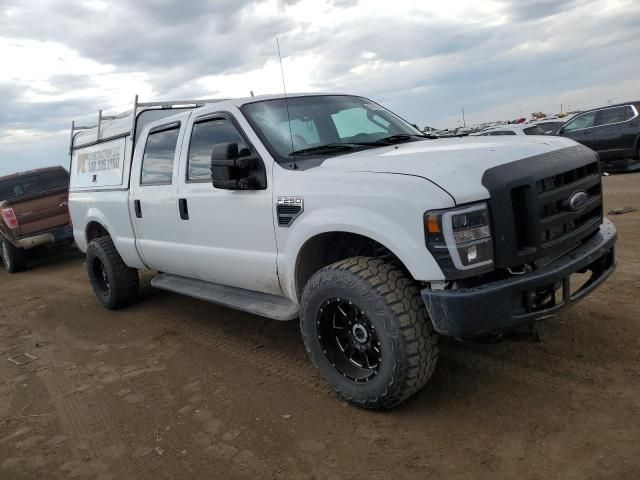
[[332, 209]]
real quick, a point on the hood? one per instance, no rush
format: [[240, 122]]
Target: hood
[[456, 164]]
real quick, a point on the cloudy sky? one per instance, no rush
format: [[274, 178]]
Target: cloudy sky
[[65, 59]]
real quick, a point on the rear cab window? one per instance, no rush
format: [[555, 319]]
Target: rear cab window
[[159, 156], [33, 184]]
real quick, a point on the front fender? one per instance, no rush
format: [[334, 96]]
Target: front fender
[[387, 208]]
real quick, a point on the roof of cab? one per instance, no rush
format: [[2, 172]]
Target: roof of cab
[[239, 102]]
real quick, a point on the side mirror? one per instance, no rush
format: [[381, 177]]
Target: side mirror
[[236, 170]]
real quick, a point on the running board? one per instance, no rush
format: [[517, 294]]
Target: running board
[[263, 304]]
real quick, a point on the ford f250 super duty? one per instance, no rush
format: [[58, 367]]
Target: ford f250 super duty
[[332, 209], [33, 209]]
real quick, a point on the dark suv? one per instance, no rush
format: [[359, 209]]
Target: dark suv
[[612, 131]]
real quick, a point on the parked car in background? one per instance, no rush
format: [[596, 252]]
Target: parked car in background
[[33, 208], [549, 126], [509, 129], [612, 131]]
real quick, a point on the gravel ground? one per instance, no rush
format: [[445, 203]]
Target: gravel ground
[[178, 388]]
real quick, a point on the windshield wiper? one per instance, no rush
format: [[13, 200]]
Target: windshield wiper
[[328, 147], [347, 146], [399, 138]]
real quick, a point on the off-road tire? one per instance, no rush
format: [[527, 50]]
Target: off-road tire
[[392, 304], [121, 285], [13, 258]]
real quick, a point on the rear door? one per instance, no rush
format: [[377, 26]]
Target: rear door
[[581, 129], [616, 131], [153, 203]]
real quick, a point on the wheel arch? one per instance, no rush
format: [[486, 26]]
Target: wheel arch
[[95, 229], [329, 247]]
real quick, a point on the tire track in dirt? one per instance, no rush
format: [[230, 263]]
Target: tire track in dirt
[[553, 370], [88, 427], [543, 374], [279, 364]]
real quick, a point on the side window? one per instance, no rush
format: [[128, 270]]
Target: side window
[[500, 133], [585, 120], [534, 130], [204, 136], [611, 115], [629, 113], [159, 153]]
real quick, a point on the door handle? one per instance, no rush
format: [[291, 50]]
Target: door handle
[[137, 208], [184, 209], [588, 132]]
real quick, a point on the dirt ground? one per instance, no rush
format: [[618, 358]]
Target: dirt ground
[[179, 388]]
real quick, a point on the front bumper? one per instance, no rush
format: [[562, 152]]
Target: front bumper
[[522, 299], [55, 235]]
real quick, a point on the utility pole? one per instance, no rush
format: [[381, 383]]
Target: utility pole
[[464, 124]]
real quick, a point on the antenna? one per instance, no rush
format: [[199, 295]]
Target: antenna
[[286, 102]]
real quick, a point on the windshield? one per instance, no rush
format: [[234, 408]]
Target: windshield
[[323, 125]]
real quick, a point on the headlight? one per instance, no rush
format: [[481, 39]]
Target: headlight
[[460, 240]]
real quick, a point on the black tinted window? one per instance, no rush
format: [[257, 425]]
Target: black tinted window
[[550, 128], [611, 115], [159, 152], [500, 133], [629, 113], [535, 130], [33, 184], [203, 137]]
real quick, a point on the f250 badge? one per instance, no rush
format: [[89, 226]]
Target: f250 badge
[[290, 201], [288, 208]]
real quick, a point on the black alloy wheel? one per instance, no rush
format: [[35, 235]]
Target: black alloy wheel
[[349, 340]]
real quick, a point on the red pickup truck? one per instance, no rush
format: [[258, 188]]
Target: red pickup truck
[[33, 212]]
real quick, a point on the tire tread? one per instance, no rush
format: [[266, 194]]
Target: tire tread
[[125, 281], [402, 297]]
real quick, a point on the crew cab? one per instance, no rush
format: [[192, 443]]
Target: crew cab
[[34, 213], [334, 210]]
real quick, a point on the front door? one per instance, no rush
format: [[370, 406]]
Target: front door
[[229, 234], [581, 129], [153, 201]]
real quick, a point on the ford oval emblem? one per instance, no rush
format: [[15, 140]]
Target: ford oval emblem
[[578, 201]]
